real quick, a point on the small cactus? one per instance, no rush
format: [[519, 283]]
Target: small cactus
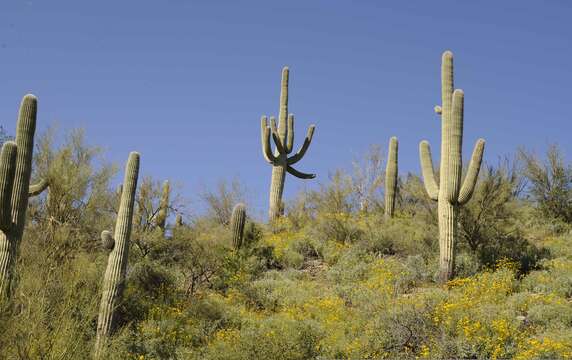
[[114, 280], [391, 171], [448, 192], [237, 225], [163, 213], [15, 172], [179, 220], [283, 136]]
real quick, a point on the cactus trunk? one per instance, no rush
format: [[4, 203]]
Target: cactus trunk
[[276, 189], [114, 279], [16, 169], [448, 217], [391, 171]]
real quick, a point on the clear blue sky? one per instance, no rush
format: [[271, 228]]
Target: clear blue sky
[[185, 82]]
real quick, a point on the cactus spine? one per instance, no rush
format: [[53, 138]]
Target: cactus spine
[[283, 137], [114, 280], [15, 172], [448, 192], [391, 177], [163, 212], [237, 225]]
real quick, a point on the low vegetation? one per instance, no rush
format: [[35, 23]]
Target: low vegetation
[[332, 279]]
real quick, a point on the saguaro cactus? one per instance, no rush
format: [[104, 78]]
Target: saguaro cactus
[[114, 280], [448, 192], [283, 137], [237, 225], [15, 171], [391, 177], [161, 219]]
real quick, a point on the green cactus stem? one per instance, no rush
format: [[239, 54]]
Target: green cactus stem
[[283, 138], [15, 172], [237, 225], [114, 279], [391, 171], [163, 213], [448, 192]]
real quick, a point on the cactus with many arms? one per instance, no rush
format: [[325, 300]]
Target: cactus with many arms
[[449, 192], [15, 189], [163, 213], [114, 279], [237, 225], [391, 178], [283, 136]]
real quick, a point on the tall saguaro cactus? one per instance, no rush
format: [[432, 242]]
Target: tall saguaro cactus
[[15, 172], [391, 171], [114, 280], [283, 136], [163, 213], [448, 191], [237, 221]]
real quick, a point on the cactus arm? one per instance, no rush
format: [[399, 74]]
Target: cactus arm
[[265, 136], [472, 172], [300, 153], [277, 138], [273, 126], [429, 180], [7, 169], [454, 144], [38, 188], [447, 85], [299, 174], [290, 134], [25, 141]]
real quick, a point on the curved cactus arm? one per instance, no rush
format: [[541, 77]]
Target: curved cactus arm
[[276, 136], [38, 188], [429, 180], [300, 153], [290, 134], [299, 174], [265, 136], [472, 172], [7, 169]]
